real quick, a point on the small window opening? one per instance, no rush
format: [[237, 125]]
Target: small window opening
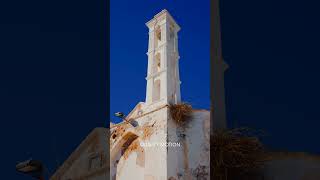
[[95, 162], [158, 60], [156, 91], [159, 35], [157, 63], [171, 32]]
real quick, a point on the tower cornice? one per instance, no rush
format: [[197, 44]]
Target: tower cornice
[[160, 16]]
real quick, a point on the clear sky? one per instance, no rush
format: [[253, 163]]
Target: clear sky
[[272, 84], [53, 72], [129, 43]]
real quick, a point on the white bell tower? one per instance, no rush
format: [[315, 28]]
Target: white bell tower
[[163, 81]]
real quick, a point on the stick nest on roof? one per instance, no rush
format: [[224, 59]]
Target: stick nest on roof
[[181, 112], [235, 153]]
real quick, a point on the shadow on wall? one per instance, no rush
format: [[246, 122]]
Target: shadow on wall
[[118, 153]]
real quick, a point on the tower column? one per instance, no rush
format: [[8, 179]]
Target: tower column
[[218, 67]]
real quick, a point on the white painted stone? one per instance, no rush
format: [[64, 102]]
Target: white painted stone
[[155, 125], [163, 81]]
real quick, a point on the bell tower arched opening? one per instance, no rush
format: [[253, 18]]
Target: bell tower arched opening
[[157, 63], [156, 90], [158, 37]]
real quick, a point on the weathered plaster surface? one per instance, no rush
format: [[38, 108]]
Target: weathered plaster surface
[[130, 158], [189, 161], [194, 152], [89, 160]]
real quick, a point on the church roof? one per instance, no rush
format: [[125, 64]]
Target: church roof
[[100, 134]]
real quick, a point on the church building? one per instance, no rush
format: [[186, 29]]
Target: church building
[[149, 144], [155, 147]]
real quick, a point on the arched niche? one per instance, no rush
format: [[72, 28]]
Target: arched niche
[[120, 154], [156, 90], [158, 36], [157, 63]]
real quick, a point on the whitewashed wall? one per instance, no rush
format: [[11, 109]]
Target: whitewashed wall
[[190, 160]]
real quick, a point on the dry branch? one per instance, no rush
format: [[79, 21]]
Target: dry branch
[[234, 153], [180, 113]]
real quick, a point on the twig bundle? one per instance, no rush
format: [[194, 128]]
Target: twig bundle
[[235, 153], [180, 113]]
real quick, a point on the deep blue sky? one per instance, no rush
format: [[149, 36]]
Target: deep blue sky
[[272, 47], [129, 44], [53, 74]]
